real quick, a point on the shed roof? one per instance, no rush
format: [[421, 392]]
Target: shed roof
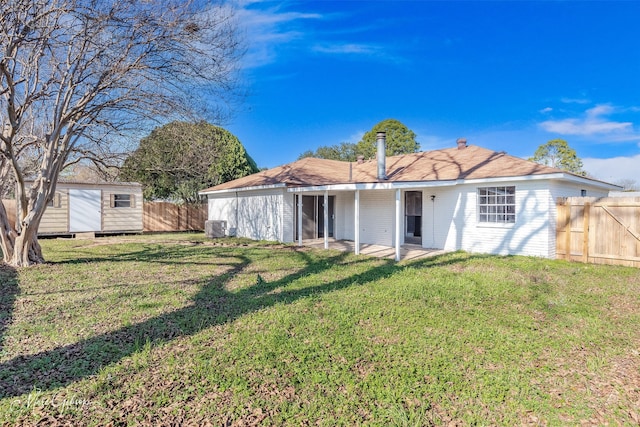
[[471, 162]]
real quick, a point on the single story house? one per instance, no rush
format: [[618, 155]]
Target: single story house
[[105, 208], [466, 197]]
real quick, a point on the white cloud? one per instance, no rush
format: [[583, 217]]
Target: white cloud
[[575, 101], [268, 29], [546, 110], [594, 123], [270, 32], [347, 48], [355, 137], [584, 127], [614, 169]]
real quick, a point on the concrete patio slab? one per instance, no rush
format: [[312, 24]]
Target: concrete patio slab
[[407, 252]]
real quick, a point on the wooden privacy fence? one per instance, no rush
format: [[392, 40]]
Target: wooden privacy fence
[[165, 216], [599, 231]]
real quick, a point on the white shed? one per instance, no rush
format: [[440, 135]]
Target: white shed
[[81, 207]]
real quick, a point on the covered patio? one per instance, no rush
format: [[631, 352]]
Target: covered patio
[[407, 251]]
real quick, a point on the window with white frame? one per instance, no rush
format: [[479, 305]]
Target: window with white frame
[[497, 205], [121, 201]]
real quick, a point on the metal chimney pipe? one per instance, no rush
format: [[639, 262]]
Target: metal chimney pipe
[[381, 139]]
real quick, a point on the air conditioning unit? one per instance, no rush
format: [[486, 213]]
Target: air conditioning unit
[[214, 229]]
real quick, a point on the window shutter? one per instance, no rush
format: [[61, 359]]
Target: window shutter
[[57, 200], [112, 200], [132, 200]]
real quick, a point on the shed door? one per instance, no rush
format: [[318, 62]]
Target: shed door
[[85, 210]]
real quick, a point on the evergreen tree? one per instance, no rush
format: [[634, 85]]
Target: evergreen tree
[[178, 159], [558, 154], [400, 140]]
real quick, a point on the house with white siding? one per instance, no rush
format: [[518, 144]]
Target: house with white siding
[[466, 197]]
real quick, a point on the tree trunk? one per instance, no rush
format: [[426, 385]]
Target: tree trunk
[[7, 235], [23, 249], [27, 250]]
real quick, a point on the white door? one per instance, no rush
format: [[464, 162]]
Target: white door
[[85, 209]]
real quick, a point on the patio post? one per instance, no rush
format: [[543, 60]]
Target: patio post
[[398, 224], [356, 222], [299, 196], [326, 219]]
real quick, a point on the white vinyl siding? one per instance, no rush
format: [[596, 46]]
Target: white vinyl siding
[[258, 215], [526, 236], [377, 217], [344, 211], [121, 219], [223, 208], [56, 218]]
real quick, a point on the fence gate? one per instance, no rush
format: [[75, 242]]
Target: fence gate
[[600, 231]]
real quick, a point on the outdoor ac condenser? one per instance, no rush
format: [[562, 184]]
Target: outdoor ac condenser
[[214, 229]]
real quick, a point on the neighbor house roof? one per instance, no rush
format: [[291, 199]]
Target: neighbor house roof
[[471, 162]]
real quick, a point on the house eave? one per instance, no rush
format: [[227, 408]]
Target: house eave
[[239, 189], [448, 183], [417, 184]]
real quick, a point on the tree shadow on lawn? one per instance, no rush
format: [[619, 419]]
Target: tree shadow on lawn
[[8, 291], [213, 305]]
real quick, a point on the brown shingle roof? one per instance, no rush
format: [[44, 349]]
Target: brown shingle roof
[[448, 164]]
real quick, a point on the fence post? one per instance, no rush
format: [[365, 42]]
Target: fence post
[[585, 232], [567, 229]]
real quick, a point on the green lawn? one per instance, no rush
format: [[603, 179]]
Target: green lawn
[[177, 329]]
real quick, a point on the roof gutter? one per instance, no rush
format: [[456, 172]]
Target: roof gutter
[[448, 183], [234, 190], [590, 181]]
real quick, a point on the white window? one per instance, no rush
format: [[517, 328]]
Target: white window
[[497, 205], [122, 201]]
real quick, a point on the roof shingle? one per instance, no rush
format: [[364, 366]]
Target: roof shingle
[[449, 164]]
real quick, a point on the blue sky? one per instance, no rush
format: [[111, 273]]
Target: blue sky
[[507, 75]]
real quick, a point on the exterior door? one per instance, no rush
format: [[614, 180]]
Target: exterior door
[[313, 217], [309, 212], [321, 215], [413, 217], [85, 210]]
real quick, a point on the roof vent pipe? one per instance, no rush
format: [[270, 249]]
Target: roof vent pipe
[[462, 143], [381, 139]]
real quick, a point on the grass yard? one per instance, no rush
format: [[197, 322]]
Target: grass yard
[[181, 330]]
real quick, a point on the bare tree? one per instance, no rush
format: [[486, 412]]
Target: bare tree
[[78, 76], [628, 184]]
